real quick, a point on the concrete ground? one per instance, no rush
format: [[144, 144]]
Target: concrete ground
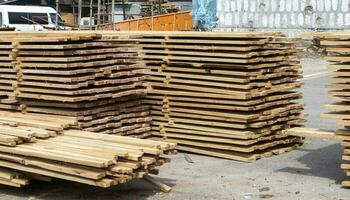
[[312, 172]]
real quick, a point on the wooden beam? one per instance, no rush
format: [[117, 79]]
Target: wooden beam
[[156, 183], [311, 132], [91, 16], [113, 14], [79, 13], [98, 13]]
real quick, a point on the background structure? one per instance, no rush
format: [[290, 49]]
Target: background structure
[[289, 15]]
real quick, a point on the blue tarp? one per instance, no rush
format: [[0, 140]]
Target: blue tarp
[[204, 14]]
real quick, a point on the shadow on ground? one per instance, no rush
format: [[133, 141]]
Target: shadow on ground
[[323, 162], [60, 189]]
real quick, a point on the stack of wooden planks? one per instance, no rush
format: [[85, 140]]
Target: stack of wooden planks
[[48, 148], [152, 8], [229, 95], [338, 50], [95, 79], [17, 128], [13, 178]]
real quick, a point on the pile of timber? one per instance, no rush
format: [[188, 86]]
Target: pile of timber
[[37, 147], [95, 79], [152, 8], [338, 55], [229, 95]]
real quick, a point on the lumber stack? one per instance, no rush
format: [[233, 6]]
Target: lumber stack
[[9, 104], [73, 155], [95, 79], [16, 128], [152, 8], [13, 178], [229, 95], [338, 50], [7, 71]]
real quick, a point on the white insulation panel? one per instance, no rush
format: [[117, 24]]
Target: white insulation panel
[[283, 14]]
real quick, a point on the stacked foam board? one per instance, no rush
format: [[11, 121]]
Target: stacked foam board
[[338, 49], [34, 146], [229, 95], [96, 79]]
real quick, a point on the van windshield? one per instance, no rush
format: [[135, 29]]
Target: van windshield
[[53, 19]]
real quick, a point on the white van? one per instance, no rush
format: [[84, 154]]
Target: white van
[[30, 18]]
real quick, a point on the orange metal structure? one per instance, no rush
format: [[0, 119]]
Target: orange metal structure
[[180, 21]]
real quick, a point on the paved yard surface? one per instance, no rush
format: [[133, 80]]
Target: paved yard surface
[[311, 172]]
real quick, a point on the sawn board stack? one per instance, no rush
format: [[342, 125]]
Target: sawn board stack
[[96, 79], [34, 146], [229, 95], [338, 50]]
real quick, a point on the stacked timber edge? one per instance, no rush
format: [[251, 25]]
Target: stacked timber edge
[[228, 95], [96, 79], [338, 56], [43, 148]]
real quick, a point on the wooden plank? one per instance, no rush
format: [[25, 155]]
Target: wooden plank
[[53, 174], [69, 157], [9, 183], [237, 148], [311, 132], [158, 184]]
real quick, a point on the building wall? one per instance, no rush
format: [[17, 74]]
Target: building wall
[[288, 15]]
